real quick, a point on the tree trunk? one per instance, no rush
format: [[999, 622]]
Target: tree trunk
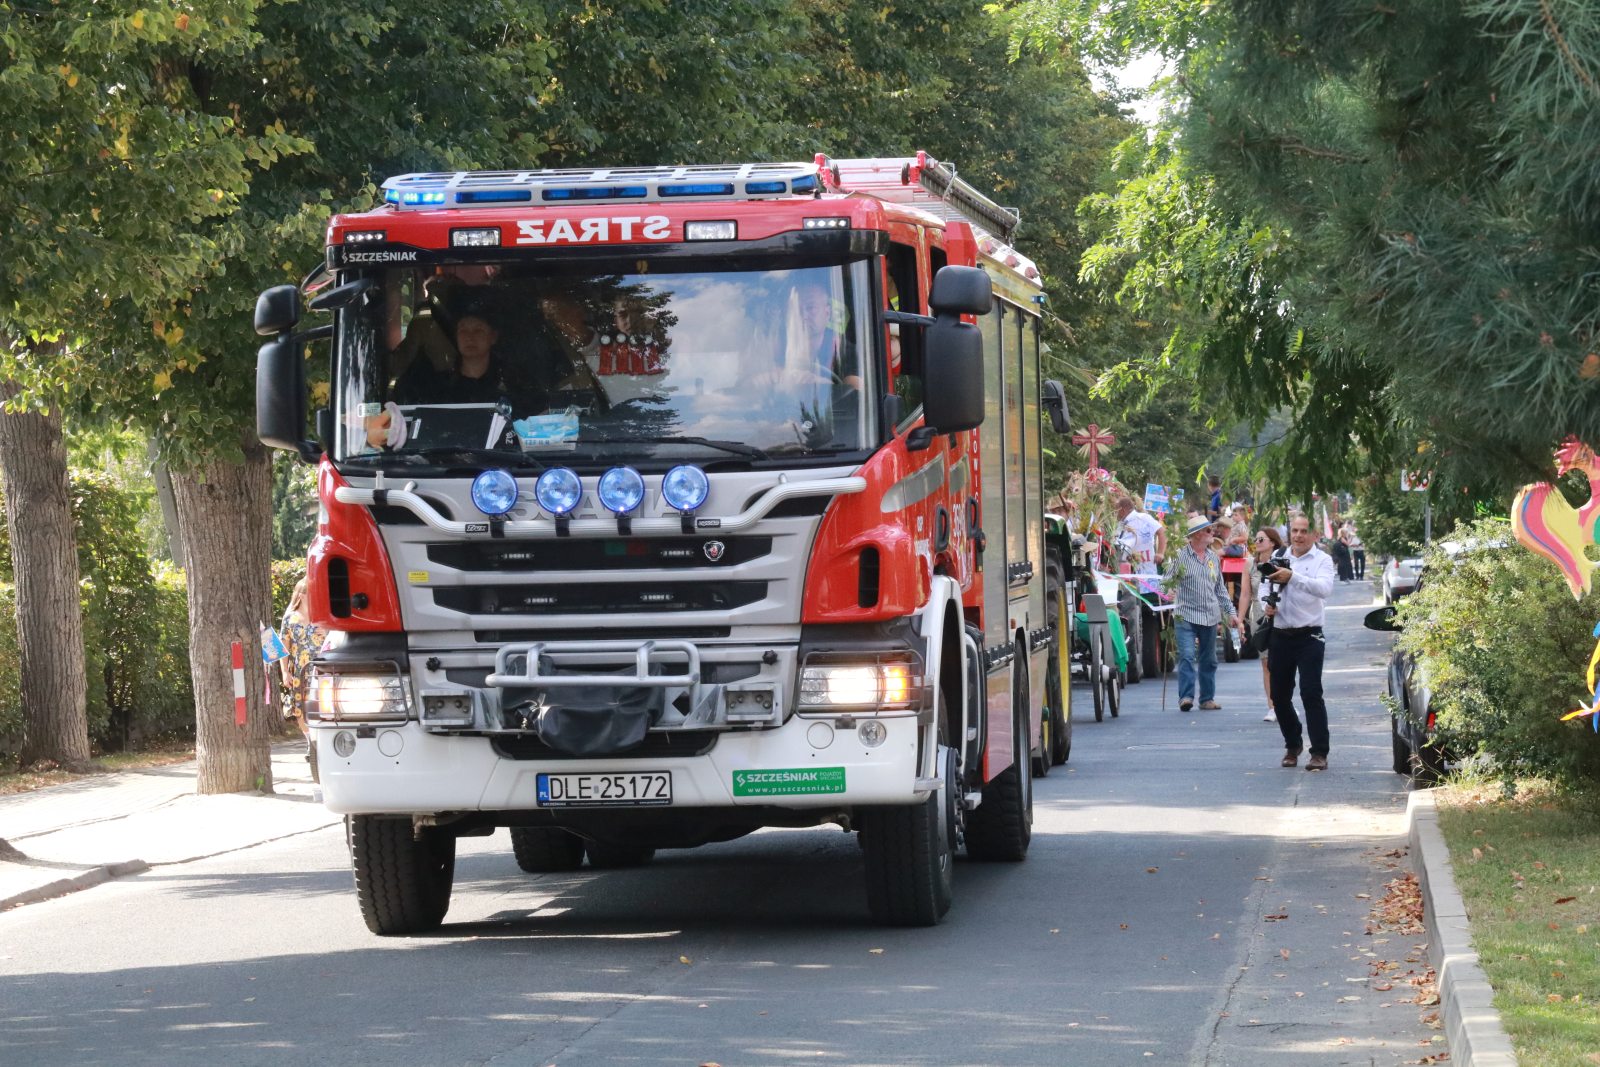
[[44, 554], [225, 519]]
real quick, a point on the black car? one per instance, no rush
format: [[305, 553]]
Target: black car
[[1418, 753]]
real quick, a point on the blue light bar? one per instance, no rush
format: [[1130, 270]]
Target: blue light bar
[[494, 196], [468, 189], [702, 189], [600, 192]]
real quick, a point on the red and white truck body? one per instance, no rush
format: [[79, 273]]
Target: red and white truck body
[[741, 524]]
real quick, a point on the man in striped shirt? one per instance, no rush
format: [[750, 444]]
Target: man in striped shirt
[[1200, 602]]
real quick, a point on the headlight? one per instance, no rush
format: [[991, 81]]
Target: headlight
[[685, 487], [343, 697], [558, 490], [873, 686], [621, 489], [494, 492]]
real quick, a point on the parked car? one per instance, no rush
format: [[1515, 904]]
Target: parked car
[[1400, 576], [1417, 751]]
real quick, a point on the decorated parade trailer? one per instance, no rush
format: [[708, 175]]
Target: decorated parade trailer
[[663, 504]]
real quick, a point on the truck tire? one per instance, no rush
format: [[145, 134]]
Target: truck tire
[[402, 882], [546, 849], [1002, 825], [910, 863], [607, 856]]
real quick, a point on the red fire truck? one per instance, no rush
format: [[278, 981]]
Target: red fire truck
[[663, 504]]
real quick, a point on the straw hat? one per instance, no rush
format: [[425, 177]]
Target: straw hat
[[1196, 524]]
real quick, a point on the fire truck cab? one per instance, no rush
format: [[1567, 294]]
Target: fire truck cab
[[659, 505]]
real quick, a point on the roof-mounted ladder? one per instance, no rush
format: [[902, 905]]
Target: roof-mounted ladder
[[924, 182]]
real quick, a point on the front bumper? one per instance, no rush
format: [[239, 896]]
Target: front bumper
[[404, 769]]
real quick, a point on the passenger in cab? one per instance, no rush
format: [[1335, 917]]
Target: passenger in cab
[[478, 376]]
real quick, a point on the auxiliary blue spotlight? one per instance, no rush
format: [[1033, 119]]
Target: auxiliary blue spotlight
[[685, 487], [621, 489], [494, 491], [558, 490]]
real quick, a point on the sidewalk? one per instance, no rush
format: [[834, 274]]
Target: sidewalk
[[72, 836]]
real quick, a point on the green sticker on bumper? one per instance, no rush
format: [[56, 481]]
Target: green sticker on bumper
[[788, 782]]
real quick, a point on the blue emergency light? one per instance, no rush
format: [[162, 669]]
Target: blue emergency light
[[741, 181]]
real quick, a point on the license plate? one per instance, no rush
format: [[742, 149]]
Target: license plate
[[589, 790]]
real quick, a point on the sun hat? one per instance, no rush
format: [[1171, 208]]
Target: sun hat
[[1196, 524]]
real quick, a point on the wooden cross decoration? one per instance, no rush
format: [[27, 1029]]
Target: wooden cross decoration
[[1092, 440]]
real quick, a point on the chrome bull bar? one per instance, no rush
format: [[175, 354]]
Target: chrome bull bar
[[643, 652]]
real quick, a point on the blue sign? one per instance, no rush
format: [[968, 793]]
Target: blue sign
[[1155, 499]]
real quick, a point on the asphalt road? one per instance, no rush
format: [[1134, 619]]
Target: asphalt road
[[1185, 901]]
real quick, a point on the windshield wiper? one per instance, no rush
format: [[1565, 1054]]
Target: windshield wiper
[[493, 457], [811, 450], [735, 447]]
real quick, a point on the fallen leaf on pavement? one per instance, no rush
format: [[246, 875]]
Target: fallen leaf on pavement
[[1275, 918], [879, 951], [1151, 870], [684, 959], [1284, 953]]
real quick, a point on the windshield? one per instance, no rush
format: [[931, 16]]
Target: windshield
[[531, 365]]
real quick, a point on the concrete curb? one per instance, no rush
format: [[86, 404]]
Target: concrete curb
[[1472, 1025], [62, 886]]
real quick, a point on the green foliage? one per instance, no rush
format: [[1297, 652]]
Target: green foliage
[[1422, 180], [1505, 647], [1390, 521], [136, 626], [294, 506], [285, 573]]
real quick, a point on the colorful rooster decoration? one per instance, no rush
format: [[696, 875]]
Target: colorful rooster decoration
[[1544, 522]]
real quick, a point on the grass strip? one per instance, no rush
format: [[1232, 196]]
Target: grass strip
[[1529, 870]]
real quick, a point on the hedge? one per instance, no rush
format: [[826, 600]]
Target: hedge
[[1505, 648]]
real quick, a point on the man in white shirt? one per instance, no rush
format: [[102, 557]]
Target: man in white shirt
[[1142, 538], [1304, 582]]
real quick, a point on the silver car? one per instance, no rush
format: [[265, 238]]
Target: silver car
[[1400, 577]]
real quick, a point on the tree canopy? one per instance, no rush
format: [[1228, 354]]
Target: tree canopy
[[1381, 218]]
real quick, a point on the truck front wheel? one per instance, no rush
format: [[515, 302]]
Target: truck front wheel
[[403, 877], [910, 855], [546, 849]]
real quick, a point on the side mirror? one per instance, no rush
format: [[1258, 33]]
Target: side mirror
[[281, 394], [952, 398], [961, 291], [278, 310], [1382, 619], [1054, 399]]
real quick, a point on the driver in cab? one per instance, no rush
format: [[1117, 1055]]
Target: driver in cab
[[477, 378]]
